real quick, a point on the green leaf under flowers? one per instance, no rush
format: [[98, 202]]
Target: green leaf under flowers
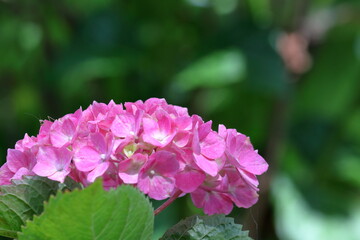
[[215, 227], [25, 198], [93, 213]]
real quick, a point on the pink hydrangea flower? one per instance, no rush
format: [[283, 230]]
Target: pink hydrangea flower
[[155, 146], [19, 163], [156, 178], [94, 157], [53, 163]]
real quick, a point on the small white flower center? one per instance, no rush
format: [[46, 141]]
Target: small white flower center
[[103, 156], [152, 172], [160, 136]]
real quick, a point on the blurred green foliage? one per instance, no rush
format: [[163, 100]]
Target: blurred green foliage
[[219, 58]]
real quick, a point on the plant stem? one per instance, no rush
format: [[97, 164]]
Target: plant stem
[[168, 202]]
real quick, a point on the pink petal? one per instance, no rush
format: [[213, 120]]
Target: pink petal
[[157, 187], [252, 162], [99, 143], [86, 159], [182, 138], [189, 181], [5, 175], [59, 175], [68, 128], [222, 131], [213, 146], [158, 132], [129, 178], [53, 158], [151, 133], [204, 129], [164, 121], [184, 123], [165, 163], [212, 202], [249, 178], [218, 204], [64, 157], [240, 192], [15, 159], [22, 172], [154, 135], [123, 126], [57, 136], [44, 168], [47, 161], [196, 142], [129, 169], [97, 171], [211, 167], [244, 196]]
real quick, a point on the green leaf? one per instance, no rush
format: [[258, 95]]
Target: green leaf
[[216, 227], [24, 198], [218, 69], [93, 213]]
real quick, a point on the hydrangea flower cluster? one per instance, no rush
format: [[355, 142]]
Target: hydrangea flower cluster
[[152, 145]]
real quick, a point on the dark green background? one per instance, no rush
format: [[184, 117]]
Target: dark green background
[[218, 58]]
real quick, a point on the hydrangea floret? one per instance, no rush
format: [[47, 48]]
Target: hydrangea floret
[[154, 146]]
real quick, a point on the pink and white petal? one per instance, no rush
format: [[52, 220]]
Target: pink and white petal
[[252, 162], [198, 197], [182, 138], [47, 154], [99, 143], [129, 166], [59, 175], [196, 142], [184, 123], [150, 125], [5, 175], [222, 131], [160, 187], [63, 158], [57, 137], [68, 128], [210, 167], [231, 141], [151, 133], [244, 196], [249, 178], [123, 125], [144, 183], [218, 203], [189, 181], [129, 178], [212, 202], [164, 121], [44, 168], [15, 159], [86, 159], [22, 172], [165, 163], [99, 170], [204, 129], [213, 146]]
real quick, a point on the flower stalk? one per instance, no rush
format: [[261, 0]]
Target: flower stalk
[[168, 202]]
